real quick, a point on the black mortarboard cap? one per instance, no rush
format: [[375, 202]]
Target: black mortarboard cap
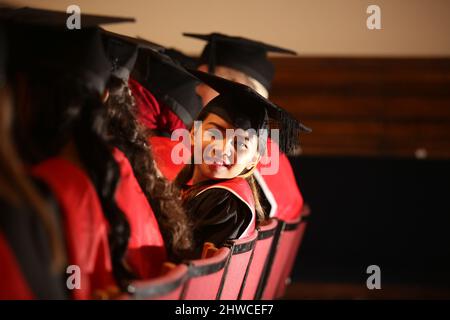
[[51, 18], [123, 51], [40, 42], [147, 44], [138, 41], [245, 55], [54, 52], [171, 83], [185, 60], [243, 107], [122, 54], [176, 55]]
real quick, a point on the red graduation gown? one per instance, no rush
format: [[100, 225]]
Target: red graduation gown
[[146, 251], [86, 229], [13, 285], [282, 187], [162, 149]]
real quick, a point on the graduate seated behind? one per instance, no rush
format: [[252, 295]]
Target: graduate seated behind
[[143, 193], [219, 190], [32, 252], [32, 255]]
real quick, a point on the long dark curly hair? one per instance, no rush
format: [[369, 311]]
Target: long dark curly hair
[[131, 137], [58, 110]]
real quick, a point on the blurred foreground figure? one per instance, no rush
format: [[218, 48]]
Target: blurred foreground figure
[[58, 77], [32, 253]]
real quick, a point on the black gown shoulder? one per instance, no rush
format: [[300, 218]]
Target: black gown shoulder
[[218, 215], [28, 240]]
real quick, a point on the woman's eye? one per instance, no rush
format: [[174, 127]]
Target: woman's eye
[[242, 146], [212, 134]]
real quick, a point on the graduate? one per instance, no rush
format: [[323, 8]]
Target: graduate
[[245, 61], [143, 194], [165, 98], [59, 79], [220, 191], [32, 253]]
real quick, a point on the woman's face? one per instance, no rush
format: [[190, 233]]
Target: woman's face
[[207, 93], [224, 156]]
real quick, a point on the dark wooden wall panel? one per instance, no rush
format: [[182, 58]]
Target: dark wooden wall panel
[[385, 107]]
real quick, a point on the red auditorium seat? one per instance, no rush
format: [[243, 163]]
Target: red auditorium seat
[[165, 287], [282, 249], [205, 276], [237, 267], [258, 260], [285, 276]]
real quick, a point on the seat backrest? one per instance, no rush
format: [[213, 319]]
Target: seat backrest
[[237, 268], [205, 276], [281, 250], [165, 287], [285, 276], [258, 260]]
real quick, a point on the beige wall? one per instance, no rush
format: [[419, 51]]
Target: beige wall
[[312, 27]]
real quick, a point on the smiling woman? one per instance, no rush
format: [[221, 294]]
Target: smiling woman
[[220, 192], [227, 151]]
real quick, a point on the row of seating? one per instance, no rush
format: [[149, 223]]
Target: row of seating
[[255, 267]]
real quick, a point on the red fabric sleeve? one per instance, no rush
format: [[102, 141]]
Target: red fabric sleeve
[[12, 285], [162, 152], [152, 113]]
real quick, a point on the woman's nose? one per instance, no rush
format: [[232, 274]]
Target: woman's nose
[[228, 149]]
